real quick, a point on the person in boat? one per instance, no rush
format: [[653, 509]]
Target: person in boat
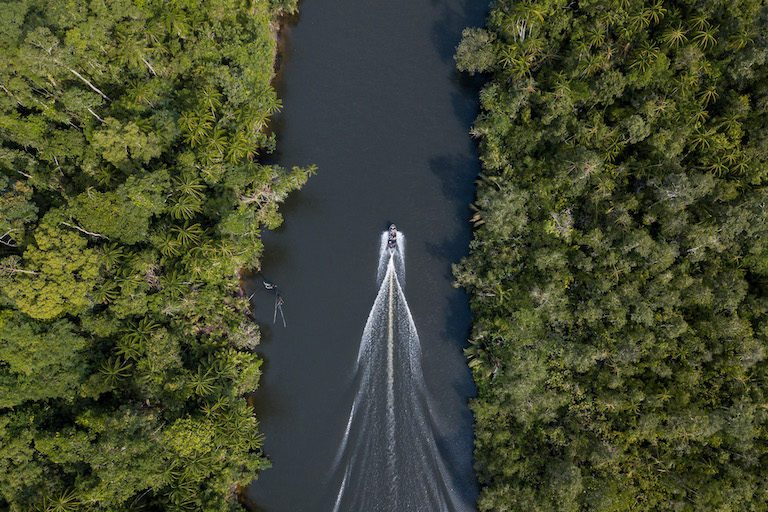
[[392, 240]]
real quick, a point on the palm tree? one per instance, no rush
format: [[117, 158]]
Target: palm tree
[[656, 12], [708, 95], [185, 206], [741, 166], [220, 404], [211, 98], [203, 383], [699, 22], [675, 36], [594, 63], [522, 20], [204, 251], [639, 20], [175, 22], [731, 121], [114, 369], [142, 93], [740, 40], [131, 52], [170, 472], [65, 502], [183, 494], [208, 409], [111, 255], [217, 146], [475, 353], [189, 184], [621, 4], [269, 102], [732, 155], [135, 337], [513, 60], [613, 147], [647, 55], [107, 291], [188, 235], [240, 147], [719, 167], [196, 127], [705, 38], [700, 116], [595, 36], [168, 245], [702, 139], [172, 284]]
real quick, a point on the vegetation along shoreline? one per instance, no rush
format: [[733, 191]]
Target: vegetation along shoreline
[[131, 194], [618, 268]]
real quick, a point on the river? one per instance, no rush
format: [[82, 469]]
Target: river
[[372, 97]]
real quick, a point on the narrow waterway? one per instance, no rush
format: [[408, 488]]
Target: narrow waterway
[[372, 98]]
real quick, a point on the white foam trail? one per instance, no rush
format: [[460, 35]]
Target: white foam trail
[[388, 459], [383, 258], [392, 456], [399, 258]]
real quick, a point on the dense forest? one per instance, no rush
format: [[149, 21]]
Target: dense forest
[[619, 268], [131, 193]]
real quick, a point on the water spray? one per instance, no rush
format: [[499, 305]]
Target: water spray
[[388, 459]]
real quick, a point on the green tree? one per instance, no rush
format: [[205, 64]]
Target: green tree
[[35, 352], [60, 272], [475, 53]]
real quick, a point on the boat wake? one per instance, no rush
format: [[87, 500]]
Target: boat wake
[[388, 459]]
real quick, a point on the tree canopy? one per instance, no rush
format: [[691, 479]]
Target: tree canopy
[[131, 193], [619, 267]]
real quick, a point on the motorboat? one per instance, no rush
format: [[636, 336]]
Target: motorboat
[[392, 238]]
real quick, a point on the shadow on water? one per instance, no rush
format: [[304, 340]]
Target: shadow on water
[[447, 168], [452, 15]]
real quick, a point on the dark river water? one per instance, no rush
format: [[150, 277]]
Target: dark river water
[[372, 97]]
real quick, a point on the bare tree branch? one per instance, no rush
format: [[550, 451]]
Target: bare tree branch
[[89, 84], [149, 66], [8, 266], [96, 115], [11, 95], [8, 243], [74, 226], [20, 270], [257, 196]]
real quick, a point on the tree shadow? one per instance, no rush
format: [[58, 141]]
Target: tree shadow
[[454, 17], [457, 174], [261, 399]]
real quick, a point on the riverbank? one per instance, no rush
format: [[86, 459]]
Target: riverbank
[[281, 18], [124, 347], [284, 19]]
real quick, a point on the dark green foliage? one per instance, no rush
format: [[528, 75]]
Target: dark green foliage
[[619, 267], [476, 52], [130, 197]]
